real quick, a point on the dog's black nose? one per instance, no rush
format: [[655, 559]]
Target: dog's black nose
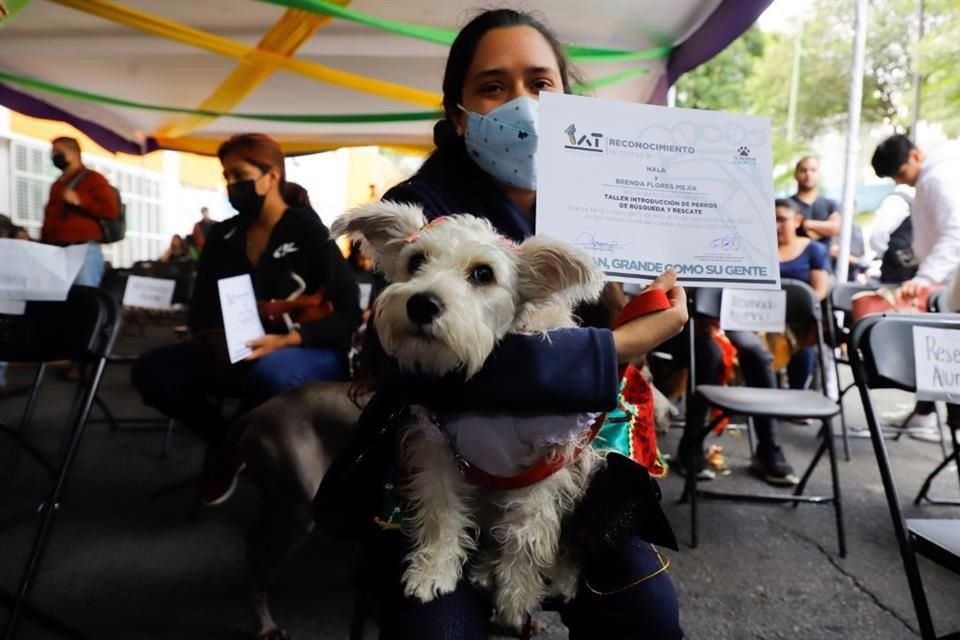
[[422, 308]]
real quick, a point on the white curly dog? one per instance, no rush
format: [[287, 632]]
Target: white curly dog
[[456, 288]]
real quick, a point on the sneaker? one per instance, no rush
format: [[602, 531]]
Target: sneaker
[[909, 420], [925, 435], [772, 466], [219, 480], [917, 425], [705, 474]]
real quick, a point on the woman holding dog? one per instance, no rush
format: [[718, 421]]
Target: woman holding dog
[[497, 67], [280, 242]]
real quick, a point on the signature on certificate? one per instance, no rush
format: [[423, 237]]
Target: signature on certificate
[[600, 241], [726, 243]]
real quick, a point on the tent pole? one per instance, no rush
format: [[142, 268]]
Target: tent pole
[[853, 138], [917, 78]]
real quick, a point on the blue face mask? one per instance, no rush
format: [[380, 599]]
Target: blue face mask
[[504, 142]]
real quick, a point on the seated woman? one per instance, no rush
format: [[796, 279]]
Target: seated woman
[[800, 259], [283, 246], [177, 251]]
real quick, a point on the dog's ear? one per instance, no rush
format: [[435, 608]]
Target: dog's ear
[[383, 227], [551, 268]]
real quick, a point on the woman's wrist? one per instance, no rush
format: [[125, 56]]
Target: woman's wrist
[[294, 339]]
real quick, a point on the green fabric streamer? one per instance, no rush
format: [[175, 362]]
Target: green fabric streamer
[[439, 35], [343, 118], [354, 118], [609, 81], [13, 8]]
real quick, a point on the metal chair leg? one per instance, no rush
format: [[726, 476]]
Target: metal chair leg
[[75, 428], [843, 430], [835, 481]]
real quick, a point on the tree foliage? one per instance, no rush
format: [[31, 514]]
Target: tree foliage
[[753, 74], [938, 53], [719, 84]]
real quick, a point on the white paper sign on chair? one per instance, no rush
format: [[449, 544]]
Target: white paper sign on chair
[[936, 354], [753, 310], [149, 293]]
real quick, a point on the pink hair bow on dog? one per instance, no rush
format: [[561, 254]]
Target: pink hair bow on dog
[[413, 237]]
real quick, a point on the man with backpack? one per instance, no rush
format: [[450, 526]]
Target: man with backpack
[[82, 209], [935, 221]]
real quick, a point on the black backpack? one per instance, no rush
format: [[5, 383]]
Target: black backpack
[[113, 229], [899, 263]]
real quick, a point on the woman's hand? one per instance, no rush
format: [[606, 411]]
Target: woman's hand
[[272, 342], [640, 336]]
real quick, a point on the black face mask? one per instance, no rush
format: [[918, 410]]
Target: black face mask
[[244, 198], [59, 161]]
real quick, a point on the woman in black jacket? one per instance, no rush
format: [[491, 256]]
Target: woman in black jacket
[[280, 242]]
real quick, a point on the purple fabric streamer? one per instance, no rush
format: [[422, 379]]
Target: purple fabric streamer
[[36, 108], [727, 23]]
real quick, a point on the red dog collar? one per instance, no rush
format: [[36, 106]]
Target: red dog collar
[[649, 301]]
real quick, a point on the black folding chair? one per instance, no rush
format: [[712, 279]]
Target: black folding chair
[[937, 302], [803, 309], [114, 283], [82, 329], [840, 300], [882, 355]]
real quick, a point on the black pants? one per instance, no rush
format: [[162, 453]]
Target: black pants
[[756, 364], [623, 595], [182, 381]]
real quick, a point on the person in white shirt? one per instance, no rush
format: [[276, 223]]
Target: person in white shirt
[[891, 236], [936, 208], [935, 216]]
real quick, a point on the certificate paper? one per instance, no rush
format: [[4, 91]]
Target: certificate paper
[[642, 188], [241, 321]]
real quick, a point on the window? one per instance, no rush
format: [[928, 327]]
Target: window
[[142, 193]]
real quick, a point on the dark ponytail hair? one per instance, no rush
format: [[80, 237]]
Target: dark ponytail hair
[[295, 196]]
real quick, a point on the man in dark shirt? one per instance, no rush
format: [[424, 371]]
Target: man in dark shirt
[[821, 216], [202, 229]]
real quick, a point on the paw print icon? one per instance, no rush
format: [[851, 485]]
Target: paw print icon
[[744, 152]]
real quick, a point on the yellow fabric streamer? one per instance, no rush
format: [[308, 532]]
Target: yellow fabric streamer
[[292, 145], [225, 47], [284, 38]]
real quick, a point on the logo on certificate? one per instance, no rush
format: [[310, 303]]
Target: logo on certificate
[[584, 142], [743, 156]]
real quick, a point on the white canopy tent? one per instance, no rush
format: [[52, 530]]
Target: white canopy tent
[[177, 74]]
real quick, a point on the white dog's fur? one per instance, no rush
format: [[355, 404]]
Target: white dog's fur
[[511, 537]]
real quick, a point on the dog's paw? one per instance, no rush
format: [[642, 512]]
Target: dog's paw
[[426, 586], [481, 574], [482, 580], [564, 583], [512, 618]]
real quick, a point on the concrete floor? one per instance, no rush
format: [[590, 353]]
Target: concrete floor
[[124, 566]]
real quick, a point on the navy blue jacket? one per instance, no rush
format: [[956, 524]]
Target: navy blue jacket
[[574, 371]]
